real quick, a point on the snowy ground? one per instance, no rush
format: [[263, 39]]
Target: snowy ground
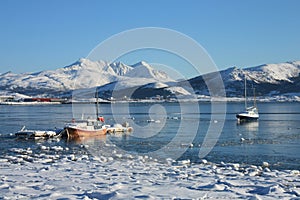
[[52, 175]]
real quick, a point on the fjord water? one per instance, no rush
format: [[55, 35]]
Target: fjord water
[[274, 138]]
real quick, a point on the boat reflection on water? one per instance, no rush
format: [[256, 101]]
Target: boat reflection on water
[[249, 125], [103, 147], [96, 140], [87, 140]]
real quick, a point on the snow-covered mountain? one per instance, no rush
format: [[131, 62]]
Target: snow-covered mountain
[[268, 79], [271, 73], [141, 80], [82, 74]]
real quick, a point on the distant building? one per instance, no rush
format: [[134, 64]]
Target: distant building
[[6, 98]]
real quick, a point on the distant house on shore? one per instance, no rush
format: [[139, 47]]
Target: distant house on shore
[[6, 98]]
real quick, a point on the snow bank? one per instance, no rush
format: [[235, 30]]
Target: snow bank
[[55, 175]]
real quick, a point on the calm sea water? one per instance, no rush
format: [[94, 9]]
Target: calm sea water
[[171, 130]]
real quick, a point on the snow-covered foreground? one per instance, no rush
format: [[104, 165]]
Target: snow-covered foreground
[[52, 175]]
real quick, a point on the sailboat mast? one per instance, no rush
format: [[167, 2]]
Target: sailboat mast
[[97, 107], [245, 82], [254, 97]]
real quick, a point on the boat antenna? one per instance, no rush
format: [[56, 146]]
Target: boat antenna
[[97, 103]]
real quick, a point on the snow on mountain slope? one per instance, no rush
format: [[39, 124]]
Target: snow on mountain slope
[[86, 74], [118, 69], [144, 70], [156, 85], [178, 90], [127, 82], [268, 79], [267, 73], [273, 73], [82, 74]]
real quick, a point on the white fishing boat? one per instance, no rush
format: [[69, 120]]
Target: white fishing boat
[[38, 134], [119, 128], [250, 113]]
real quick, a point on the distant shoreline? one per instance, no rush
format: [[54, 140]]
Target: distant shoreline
[[206, 100]]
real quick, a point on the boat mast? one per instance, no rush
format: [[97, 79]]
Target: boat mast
[[245, 92], [97, 103], [254, 97]]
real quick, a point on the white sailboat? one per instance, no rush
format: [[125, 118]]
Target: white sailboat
[[250, 113]]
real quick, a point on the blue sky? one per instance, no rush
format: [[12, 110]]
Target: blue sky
[[42, 34]]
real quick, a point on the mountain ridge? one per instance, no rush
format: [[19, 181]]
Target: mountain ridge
[[83, 73], [118, 78], [268, 79]]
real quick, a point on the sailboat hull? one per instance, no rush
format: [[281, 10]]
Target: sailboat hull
[[245, 117], [251, 113]]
